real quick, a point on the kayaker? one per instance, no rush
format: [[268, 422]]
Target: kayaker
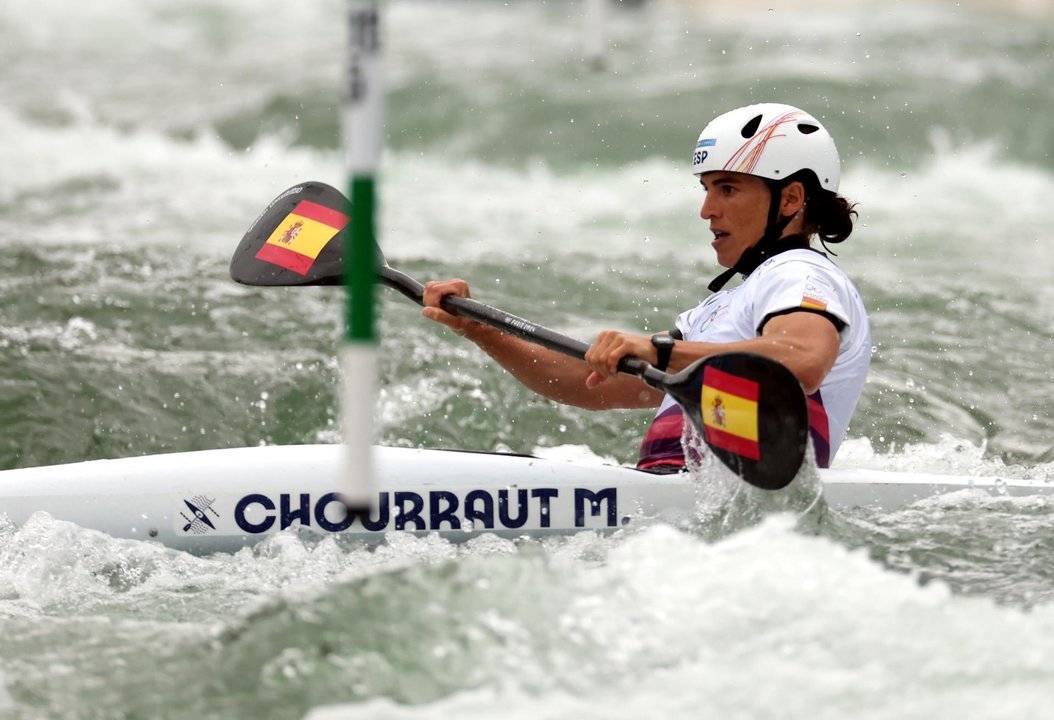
[[770, 173]]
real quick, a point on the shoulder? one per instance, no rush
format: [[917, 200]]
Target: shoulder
[[804, 279], [799, 261], [797, 267]]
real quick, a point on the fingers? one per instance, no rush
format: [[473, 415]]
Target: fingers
[[433, 295], [436, 289], [605, 352], [608, 349]]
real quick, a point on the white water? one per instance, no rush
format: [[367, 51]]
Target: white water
[[563, 195]]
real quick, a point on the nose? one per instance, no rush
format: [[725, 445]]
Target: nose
[[706, 212]]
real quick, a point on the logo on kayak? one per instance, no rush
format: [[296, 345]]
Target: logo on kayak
[[198, 522], [467, 509]]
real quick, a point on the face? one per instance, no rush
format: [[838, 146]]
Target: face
[[737, 207]]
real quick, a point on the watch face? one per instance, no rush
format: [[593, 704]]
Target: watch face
[[662, 340]]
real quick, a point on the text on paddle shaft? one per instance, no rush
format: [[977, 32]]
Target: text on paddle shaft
[[429, 510], [521, 324]]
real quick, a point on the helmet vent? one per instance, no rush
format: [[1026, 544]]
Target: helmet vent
[[751, 128], [807, 129]]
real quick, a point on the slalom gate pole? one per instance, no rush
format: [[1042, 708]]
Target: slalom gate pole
[[362, 133]]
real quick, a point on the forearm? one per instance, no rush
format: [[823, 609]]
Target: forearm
[[560, 377], [546, 372]]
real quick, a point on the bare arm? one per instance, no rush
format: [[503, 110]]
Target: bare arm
[[546, 372], [806, 343]]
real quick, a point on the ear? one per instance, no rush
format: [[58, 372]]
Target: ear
[[792, 199]]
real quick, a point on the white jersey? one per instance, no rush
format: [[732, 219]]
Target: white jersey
[[790, 281]]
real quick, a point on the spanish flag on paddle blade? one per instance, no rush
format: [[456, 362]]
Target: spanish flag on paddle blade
[[730, 413], [300, 237]]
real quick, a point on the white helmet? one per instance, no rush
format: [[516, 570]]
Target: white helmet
[[769, 140]]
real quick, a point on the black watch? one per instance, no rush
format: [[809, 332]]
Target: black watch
[[664, 344]]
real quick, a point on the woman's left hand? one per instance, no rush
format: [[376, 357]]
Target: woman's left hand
[[610, 347]]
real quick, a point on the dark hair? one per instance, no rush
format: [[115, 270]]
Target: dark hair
[[827, 215]]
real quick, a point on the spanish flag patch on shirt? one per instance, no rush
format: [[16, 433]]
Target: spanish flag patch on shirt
[[813, 303], [815, 294]]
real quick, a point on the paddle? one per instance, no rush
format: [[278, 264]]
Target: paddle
[[750, 410]]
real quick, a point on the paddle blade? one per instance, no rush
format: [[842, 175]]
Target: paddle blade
[[751, 411], [297, 240]]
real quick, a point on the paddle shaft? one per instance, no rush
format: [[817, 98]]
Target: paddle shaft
[[513, 325]]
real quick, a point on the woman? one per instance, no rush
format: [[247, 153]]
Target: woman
[[771, 175]]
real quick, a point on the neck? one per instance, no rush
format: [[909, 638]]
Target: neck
[[753, 256]]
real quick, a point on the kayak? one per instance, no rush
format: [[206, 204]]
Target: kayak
[[223, 500]]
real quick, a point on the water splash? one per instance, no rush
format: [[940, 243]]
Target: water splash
[[725, 504]]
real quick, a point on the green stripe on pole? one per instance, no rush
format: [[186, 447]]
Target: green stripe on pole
[[361, 263]]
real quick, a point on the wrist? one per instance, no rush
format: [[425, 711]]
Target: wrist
[[477, 332], [663, 345]]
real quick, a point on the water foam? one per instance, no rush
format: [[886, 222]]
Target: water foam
[[669, 624]]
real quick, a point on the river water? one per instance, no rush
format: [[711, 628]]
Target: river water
[[138, 140]]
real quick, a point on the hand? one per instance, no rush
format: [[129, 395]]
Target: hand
[[434, 292], [610, 347]]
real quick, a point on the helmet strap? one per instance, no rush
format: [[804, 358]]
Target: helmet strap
[[770, 244]]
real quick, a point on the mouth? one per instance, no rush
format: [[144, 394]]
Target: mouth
[[719, 235]]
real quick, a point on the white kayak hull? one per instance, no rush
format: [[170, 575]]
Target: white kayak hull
[[223, 500]]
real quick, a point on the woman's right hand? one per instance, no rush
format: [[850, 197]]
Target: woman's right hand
[[434, 292]]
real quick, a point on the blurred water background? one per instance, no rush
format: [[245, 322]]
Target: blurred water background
[[138, 140]]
